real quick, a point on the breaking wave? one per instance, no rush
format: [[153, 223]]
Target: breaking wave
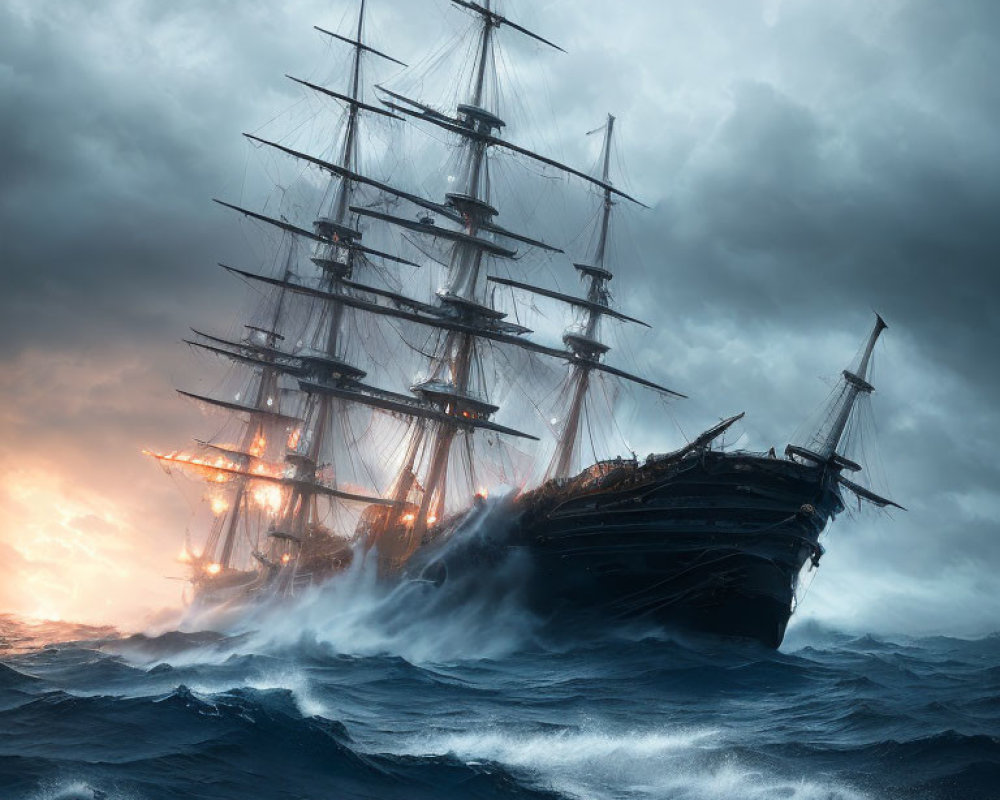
[[428, 617], [428, 690]]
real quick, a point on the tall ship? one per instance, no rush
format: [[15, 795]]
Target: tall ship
[[377, 384]]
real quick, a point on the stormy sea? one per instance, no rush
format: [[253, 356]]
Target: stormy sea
[[360, 691]]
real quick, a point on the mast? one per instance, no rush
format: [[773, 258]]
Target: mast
[[456, 386], [587, 346], [455, 363], [449, 387], [337, 256], [822, 445], [454, 398], [254, 438], [821, 448], [325, 381], [259, 350]]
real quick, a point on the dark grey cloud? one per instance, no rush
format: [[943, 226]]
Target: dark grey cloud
[[807, 162]]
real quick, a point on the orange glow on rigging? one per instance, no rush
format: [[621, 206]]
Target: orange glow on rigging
[[219, 505]]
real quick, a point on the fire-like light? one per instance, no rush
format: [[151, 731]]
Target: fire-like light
[[285, 558], [217, 470], [184, 556], [219, 505], [213, 569], [258, 446], [483, 493], [432, 519], [293, 438], [408, 517], [269, 498]]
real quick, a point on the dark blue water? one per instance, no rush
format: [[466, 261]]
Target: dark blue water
[[352, 694]]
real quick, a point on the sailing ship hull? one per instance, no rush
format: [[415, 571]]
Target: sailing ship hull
[[319, 557], [227, 587], [712, 543], [702, 540]]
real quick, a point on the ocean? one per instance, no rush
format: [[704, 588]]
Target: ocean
[[356, 691]]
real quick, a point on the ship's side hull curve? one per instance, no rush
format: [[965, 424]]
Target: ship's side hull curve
[[712, 543]]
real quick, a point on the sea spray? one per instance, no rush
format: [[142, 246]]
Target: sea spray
[[430, 613]]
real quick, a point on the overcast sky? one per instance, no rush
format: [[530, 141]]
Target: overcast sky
[[806, 162]]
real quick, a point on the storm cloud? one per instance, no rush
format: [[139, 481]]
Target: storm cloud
[[805, 162]]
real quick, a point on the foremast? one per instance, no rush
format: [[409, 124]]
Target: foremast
[[822, 447]]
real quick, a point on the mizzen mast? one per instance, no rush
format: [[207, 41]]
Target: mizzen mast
[[238, 466], [326, 379], [255, 436], [337, 253]]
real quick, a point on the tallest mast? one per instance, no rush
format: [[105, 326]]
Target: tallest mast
[[349, 156], [451, 376], [456, 388]]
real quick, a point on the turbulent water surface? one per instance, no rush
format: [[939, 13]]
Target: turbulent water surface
[[352, 693]]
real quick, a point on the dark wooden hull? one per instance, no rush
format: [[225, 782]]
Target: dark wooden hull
[[712, 543]]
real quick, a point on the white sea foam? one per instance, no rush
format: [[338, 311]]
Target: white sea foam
[[679, 765], [81, 790], [423, 623], [300, 687], [469, 616]]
